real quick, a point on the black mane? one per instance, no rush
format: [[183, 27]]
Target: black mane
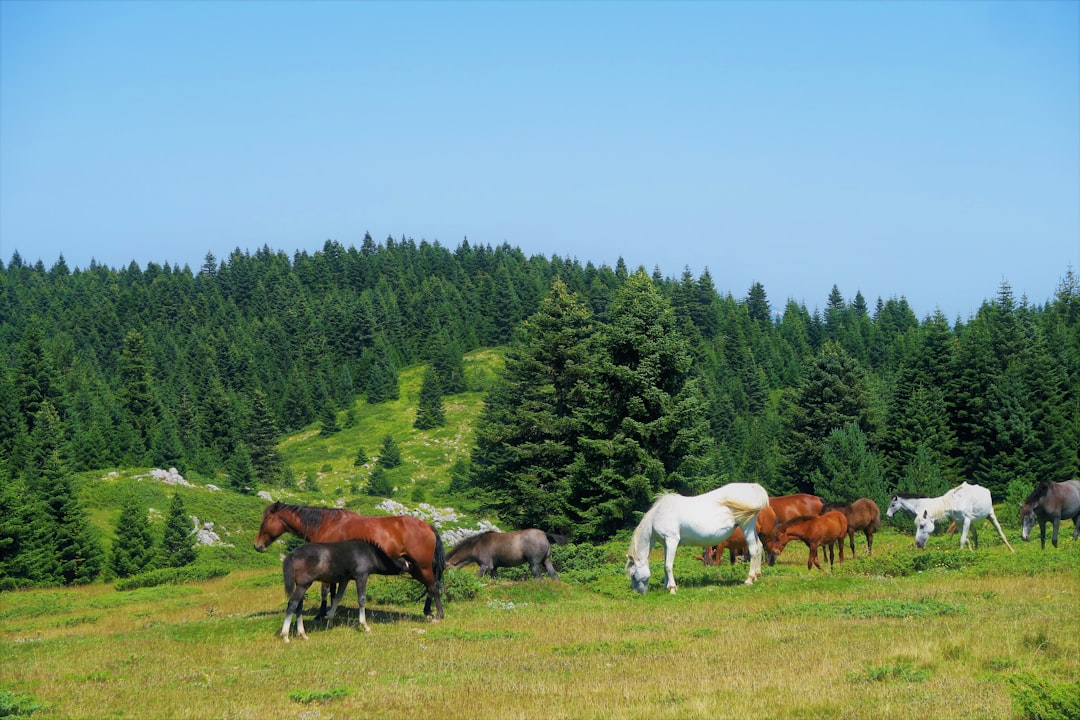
[[469, 542], [1038, 493]]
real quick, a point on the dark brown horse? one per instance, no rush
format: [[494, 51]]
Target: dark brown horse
[[793, 507], [332, 563], [1053, 501], [492, 550], [820, 531], [399, 536], [862, 515]]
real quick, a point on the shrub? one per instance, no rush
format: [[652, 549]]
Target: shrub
[[171, 576], [17, 704], [1036, 699]]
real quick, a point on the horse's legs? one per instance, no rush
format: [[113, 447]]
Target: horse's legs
[[851, 536], [812, 560], [1042, 534], [753, 546], [550, 568], [841, 544], [326, 588], [534, 568], [361, 596], [670, 546], [1076, 527], [993, 519], [1053, 540], [339, 592], [964, 533], [869, 542], [300, 617], [293, 609]]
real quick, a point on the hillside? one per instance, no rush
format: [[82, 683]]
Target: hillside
[[323, 466]]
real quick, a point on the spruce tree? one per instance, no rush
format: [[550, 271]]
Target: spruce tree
[[527, 433], [262, 439], [429, 411], [133, 549], [178, 540], [390, 455], [379, 484], [241, 473], [328, 419], [849, 469], [643, 419]]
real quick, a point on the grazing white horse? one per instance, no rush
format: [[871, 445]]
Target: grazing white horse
[[701, 520], [964, 503]]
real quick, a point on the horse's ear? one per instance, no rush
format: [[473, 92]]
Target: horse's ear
[[924, 513]]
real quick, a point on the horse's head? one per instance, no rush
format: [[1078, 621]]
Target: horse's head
[[778, 542], [924, 526], [639, 575], [894, 506], [1027, 520], [272, 527]]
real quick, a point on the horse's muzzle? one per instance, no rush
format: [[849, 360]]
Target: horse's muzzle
[[260, 548]]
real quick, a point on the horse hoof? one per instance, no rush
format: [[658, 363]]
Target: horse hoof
[[285, 638]]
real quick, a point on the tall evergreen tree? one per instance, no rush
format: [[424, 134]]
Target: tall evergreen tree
[[133, 550], [261, 439], [430, 412], [527, 433], [178, 540], [849, 469], [644, 426], [390, 455], [136, 393], [240, 471]]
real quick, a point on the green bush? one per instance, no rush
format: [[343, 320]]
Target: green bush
[[1036, 699], [17, 704], [171, 576]]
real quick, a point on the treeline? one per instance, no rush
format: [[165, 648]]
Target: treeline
[[617, 384]]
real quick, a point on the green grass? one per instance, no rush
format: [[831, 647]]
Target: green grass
[[795, 644]]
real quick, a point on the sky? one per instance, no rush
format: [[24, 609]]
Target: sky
[[925, 150]]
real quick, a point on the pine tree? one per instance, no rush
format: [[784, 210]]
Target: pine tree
[[361, 457], [390, 456], [833, 395], [136, 393], [261, 439], [643, 418], [849, 469], [430, 412], [178, 540], [328, 419], [241, 473], [133, 549], [379, 484]]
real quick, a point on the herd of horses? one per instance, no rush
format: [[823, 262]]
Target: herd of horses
[[342, 546]]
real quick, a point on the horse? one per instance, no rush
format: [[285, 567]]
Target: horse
[[1052, 501], [399, 536], [735, 543], [338, 563], [792, 507], [701, 520], [864, 515], [964, 503], [492, 550], [822, 530]]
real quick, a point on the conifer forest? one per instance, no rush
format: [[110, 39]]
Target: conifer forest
[[617, 384]]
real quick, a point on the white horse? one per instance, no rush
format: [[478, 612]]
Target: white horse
[[702, 520], [964, 503]]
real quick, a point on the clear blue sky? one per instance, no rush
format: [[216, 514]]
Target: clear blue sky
[[929, 150]]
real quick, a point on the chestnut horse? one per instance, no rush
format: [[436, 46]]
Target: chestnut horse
[[864, 515], [399, 536], [792, 507], [816, 532], [736, 541]]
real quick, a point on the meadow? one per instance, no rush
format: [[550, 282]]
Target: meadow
[[904, 634]]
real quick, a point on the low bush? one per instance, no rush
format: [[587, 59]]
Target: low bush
[[1035, 699], [172, 576]]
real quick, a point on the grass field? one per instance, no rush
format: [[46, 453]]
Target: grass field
[[905, 634]]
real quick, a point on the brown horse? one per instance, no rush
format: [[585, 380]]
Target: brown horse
[[793, 507], [399, 536], [492, 550], [816, 532], [864, 515], [736, 541], [1053, 501]]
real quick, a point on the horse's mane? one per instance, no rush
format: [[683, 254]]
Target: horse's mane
[[909, 496], [834, 506], [469, 542], [1038, 493]]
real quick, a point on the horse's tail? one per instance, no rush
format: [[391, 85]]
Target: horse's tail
[[438, 561], [290, 575], [557, 539], [747, 506]]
